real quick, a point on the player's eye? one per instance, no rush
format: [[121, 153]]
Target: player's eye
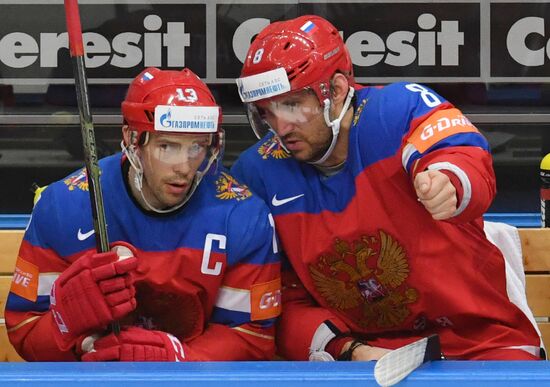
[[196, 149]]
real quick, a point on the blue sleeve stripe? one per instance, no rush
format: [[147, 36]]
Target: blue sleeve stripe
[[459, 139], [19, 304], [229, 317], [232, 318], [259, 258]]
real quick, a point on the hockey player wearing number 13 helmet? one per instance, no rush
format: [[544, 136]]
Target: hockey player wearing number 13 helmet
[[193, 273], [172, 126], [376, 193]]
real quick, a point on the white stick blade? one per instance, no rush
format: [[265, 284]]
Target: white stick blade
[[397, 364]]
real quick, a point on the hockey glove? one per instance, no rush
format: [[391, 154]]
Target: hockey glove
[[95, 290], [133, 344]]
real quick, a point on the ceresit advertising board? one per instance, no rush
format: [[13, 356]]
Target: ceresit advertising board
[[120, 40], [435, 41], [385, 39]]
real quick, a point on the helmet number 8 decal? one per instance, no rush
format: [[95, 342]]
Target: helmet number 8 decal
[[258, 56], [187, 95], [428, 97]]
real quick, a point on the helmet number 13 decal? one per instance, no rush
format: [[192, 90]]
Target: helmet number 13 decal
[[187, 95], [258, 56]]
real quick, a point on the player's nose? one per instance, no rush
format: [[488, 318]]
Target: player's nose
[[183, 167], [283, 126]]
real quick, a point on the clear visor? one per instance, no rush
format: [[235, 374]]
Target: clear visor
[[196, 151], [292, 109]]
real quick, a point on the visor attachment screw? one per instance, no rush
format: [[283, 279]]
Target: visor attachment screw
[[324, 89]]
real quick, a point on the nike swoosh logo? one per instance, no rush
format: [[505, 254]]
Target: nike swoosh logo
[[279, 202], [83, 236]]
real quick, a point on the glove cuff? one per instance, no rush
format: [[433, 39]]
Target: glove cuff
[[173, 345]]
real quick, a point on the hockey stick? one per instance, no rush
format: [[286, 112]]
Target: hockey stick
[[397, 364], [76, 46]]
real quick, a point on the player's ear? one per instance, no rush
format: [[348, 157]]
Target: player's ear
[[339, 87], [126, 134]]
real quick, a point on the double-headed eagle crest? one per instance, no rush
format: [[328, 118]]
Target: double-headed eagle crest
[[228, 188], [272, 147], [78, 180], [366, 278]]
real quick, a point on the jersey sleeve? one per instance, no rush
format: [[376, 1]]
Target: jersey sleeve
[[245, 170], [249, 301], [28, 318], [438, 136], [304, 327]]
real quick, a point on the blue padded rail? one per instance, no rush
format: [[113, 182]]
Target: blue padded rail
[[267, 374], [520, 219], [14, 222], [517, 219]]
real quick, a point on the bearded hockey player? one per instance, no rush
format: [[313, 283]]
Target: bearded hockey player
[[377, 195]]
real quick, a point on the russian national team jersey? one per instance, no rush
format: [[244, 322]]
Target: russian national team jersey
[[369, 253], [208, 273]]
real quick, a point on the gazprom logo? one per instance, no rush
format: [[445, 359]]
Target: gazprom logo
[[165, 119], [241, 88], [186, 119], [197, 124], [262, 91], [264, 85]]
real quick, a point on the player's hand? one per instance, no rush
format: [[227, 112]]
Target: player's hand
[[97, 289], [133, 344], [436, 192], [365, 352]]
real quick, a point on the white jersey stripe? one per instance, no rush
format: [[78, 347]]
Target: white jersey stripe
[[45, 282], [237, 300]]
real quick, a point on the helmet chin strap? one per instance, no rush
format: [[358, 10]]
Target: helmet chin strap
[[135, 162], [334, 125]]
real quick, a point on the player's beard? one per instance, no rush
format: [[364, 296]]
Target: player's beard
[[159, 194], [316, 149], [319, 153]]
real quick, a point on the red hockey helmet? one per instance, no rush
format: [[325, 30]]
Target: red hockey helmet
[[308, 48], [154, 88], [291, 56], [174, 102]]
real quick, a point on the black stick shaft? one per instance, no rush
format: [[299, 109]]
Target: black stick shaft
[[90, 155], [74, 30]]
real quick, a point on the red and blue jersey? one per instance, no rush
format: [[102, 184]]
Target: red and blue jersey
[[209, 273], [368, 256]]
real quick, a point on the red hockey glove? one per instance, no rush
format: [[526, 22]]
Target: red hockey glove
[[134, 344], [95, 290]]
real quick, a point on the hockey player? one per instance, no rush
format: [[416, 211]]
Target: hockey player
[[377, 195], [194, 274]]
